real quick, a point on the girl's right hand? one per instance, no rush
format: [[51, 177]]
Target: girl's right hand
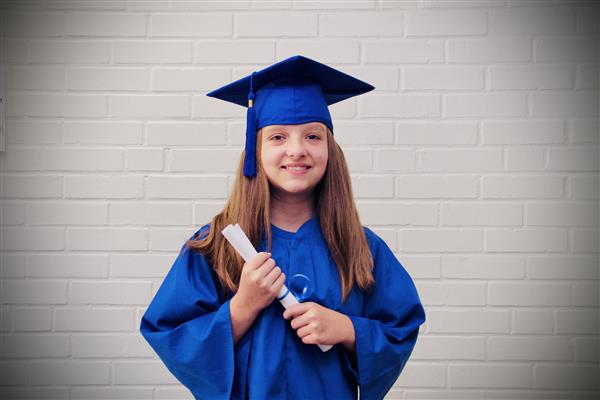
[[260, 283]]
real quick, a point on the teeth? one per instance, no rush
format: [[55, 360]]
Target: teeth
[[296, 168]]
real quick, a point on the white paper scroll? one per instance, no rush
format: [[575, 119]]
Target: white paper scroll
[[238, 239]]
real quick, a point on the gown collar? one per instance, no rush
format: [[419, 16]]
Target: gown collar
[[309, 229]]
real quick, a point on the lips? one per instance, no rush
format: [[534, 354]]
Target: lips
[[296, 167]]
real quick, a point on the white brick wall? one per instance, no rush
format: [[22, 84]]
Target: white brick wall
[[476, 159]]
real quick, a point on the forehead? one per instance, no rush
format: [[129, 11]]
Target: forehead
[[309, 125]]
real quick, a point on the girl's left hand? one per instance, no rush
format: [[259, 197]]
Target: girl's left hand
[[316, 324]]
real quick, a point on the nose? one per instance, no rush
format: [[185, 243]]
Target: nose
[[295, 147]]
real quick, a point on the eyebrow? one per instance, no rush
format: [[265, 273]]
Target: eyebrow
[[310, 126]]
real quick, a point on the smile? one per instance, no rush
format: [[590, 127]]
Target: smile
[[296, 170]]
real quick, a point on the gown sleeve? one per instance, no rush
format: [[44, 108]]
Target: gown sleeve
[[387, 330], [188, 325]]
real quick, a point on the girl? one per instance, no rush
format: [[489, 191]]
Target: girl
[[214, 321]]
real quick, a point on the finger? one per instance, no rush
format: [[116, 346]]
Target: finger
[[299, 322], [265, 268], [255, 262], [295, 310], [273, 275], [276, 287], [304, 331]]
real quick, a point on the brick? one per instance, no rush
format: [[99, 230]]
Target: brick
[[561, 214], [271, 24], [70, 373], [35, 78], [16, 50], [105, 78], [364, 24], [36, 291], [419, 375], [186, 133], [531, 21], [384, 78], [67, 265], [447, 240], [102, 132], [56, 105], [529, 294], [189, 79], [395, 213], [394, 159], [33, 132], [489, 375], [69, 52], [565, 377], [205, 211], [21, 239], [578, 322], [563, 267], [154, 106], [353, 133], [214, 160], [576, 158], [116, 239], [529, 240], [469, 321], [93, 319], [584, 240], [88, 5], [489, 50], [182, 187], [234, 52], [12, 213], [31, 319], [565, 103], [140, 265], [443, 78], [14, 373], [586, 349], [483, 267], [21, 160], [587, 19], [539, 348], [105, 24], [39, 186], [531, 77], [485, 105], [586, 77], [373, 186], [12, 265], [460, 160], [586, 294], [145, 159], [452, 294], [584, 131], [325, 50], [446, 22], [522, 186], [116, 187], [405, 106], [436, 186], [399, 51], [334, 4], [32, 24], [35, 346], [67, 213], [522, 132], [449, 348], [82, 160], [169, 239], [571, 48], [482, 214], [152, 52], [525, 159], [150, 213], [140, 373], [194, 25], [582, 187], [114, 292], [533, 322]]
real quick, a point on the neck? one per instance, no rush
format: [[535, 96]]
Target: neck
[[289, 212]]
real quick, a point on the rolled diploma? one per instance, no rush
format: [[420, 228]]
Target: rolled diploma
[[238, 239]]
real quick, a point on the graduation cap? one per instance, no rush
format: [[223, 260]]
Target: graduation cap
[[296, 90]]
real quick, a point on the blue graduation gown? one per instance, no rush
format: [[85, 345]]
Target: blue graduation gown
[[188, 324]]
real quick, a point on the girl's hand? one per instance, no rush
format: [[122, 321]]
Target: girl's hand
[[260, 282], [316, 324]]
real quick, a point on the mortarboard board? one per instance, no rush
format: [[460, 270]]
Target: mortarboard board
[[296, 90]]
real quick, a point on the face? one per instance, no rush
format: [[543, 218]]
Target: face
[[294, 157]]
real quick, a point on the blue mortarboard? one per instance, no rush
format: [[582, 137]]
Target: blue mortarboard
[[296, 90]]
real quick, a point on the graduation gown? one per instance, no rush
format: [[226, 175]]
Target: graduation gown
[[188, 324]]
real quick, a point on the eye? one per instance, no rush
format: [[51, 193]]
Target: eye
[[276, 137], [314, 136]]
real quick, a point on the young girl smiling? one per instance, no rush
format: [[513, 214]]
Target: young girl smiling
[[214, 321]]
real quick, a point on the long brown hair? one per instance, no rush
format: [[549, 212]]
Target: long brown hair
[[249, 205]]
